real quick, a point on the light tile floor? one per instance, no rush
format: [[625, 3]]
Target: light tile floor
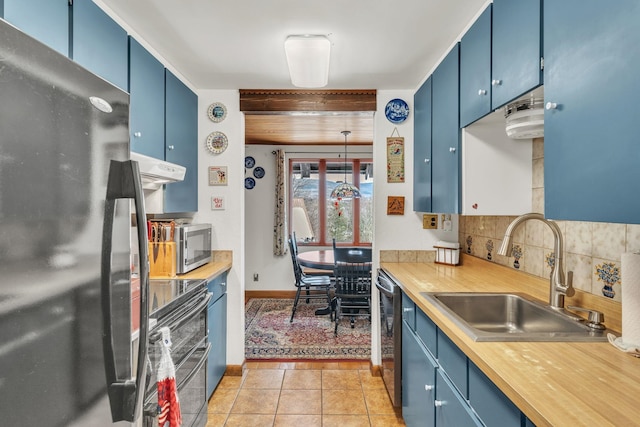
[[309, 394]]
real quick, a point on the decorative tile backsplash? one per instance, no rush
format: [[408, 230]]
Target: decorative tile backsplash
[[591, 250]]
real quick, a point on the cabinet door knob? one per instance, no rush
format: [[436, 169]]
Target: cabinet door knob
[[137, 134], [171, 147], [551, 106], [482, 92], [452, 149], [407, 310], [439, 403], [427, 160], [428, 387], [496, 82]]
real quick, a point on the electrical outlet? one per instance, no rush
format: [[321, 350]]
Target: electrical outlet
[[430, 221], [255, 277]]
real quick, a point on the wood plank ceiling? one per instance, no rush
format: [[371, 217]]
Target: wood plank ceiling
[[308, 117]]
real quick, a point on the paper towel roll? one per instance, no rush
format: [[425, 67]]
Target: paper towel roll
[[630, 295]]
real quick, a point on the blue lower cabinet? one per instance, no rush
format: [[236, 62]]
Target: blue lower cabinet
[[427, 332], [450, 390], [418, 381], [491, 405], [451, 409], [217, 324], [409, 311], [454, 362]]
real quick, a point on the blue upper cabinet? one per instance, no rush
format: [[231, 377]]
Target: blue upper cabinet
[[591, 152], [445, 144], [99, 43], [422, 148], [45, 20], [516, 49], [475, 70], [181, 138], [146, 111]]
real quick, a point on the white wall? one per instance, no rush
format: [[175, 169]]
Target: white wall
[[228, 225]]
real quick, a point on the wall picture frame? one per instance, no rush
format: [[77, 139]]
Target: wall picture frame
[[217, 203], [218, 175], [395, 205]]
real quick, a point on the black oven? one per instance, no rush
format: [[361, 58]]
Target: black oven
[[391, 336], [185, 314]]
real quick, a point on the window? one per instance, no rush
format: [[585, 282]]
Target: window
[[314, 217]]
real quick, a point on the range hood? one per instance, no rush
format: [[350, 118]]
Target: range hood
[[155, 173], [525, 117]]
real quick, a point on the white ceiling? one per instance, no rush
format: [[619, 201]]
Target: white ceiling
[[239, 44]]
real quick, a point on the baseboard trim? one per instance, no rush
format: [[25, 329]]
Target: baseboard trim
[[376, 370], [234, 370], [268, 294]]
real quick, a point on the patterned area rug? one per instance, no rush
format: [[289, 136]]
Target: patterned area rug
[[270, 335]]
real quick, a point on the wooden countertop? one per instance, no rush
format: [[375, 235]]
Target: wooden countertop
[[554, 384], [207, 271]]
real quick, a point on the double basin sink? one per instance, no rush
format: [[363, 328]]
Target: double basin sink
[[510, 317]]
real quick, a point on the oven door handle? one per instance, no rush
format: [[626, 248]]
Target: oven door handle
[[197, 368], [181, 318], [125, 395]]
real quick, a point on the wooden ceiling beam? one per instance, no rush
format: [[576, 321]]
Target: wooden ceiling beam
[[266, 101]]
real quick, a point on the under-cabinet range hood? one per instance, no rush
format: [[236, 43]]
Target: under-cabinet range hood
[[155, 173], [525, 118]]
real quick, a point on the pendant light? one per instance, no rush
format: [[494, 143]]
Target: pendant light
[[344, 190]]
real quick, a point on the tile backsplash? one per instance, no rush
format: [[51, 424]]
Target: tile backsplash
[[592, 250]]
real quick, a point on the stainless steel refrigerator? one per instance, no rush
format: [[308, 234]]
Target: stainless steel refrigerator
[[69, 200]]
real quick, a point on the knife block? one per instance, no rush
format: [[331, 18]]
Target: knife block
[[162, 259]]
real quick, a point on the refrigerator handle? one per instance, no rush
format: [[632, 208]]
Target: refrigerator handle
[[125, 395]]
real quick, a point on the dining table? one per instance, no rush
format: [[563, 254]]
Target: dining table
[[324, 259]]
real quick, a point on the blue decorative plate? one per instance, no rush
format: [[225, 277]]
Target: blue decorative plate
[[249, 162], [258, 172], [396, 111], [249, 183]]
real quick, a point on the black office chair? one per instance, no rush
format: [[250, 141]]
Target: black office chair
[[316, 287], [352, 291]]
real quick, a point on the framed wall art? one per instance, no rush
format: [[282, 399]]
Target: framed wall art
[[218, 175], [395, 205]]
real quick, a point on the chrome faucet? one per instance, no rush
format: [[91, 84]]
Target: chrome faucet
[[558, 288]]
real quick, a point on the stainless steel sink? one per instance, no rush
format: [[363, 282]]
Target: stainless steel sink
[[510, 317]]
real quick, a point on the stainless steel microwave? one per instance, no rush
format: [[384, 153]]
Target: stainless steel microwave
[[193, 246]]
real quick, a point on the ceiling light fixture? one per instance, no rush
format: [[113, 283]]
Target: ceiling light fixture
[[308, 59], [344, 190]]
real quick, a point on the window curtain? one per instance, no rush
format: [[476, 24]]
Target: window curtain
[[280, 218]]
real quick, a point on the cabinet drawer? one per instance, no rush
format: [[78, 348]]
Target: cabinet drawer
[[451, 409], [454, 362], [409, 311], [427, 331], [491, 405], [218, 286]]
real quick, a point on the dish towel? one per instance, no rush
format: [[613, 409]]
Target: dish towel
[[168, 404]]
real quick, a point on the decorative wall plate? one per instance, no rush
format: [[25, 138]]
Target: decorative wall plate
[[217, 142], [249, 162], [396, 111], [258, 172], [217, 112], [249, 183]]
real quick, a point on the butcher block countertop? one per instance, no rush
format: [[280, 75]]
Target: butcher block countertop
[[221, 262], [553, 383]]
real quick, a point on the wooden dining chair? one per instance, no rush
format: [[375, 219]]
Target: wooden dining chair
[[352, 291], [315, 287]]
